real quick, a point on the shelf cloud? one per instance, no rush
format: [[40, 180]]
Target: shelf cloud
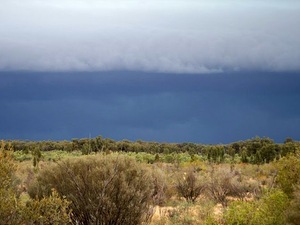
[[156, 36]]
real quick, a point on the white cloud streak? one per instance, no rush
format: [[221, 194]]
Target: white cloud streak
[[162, 36]]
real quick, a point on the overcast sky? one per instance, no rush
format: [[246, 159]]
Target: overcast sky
[[171, 70], [181, 36]]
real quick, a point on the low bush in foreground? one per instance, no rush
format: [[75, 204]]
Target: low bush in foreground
[[104, 190]]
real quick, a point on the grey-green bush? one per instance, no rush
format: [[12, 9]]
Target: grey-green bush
[[104, 190]]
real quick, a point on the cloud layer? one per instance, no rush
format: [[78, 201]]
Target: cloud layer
[[163, 36]]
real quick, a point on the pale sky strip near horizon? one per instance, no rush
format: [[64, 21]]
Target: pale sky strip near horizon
[[155, 36]]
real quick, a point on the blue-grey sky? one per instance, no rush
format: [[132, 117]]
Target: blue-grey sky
[[206, 108], [170, 70]]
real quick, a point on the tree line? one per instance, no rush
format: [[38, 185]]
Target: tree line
[[256, 150]]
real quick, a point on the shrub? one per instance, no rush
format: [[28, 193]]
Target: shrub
[[160, 186], [8, 207], [49, 210], [52, 210], [269, 210], [288, 173], [103, 190], [189, 186], [293, 211], [8, 203], [7, 166], [223, 183]]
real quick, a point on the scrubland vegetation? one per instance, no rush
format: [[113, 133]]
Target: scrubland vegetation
[[105, 182]]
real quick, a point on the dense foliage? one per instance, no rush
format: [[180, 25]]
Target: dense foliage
[[255, 151]]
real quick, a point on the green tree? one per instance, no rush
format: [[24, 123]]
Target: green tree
[[268, 152], [244, 157], [288, 148], [36, 156], [231, 152]]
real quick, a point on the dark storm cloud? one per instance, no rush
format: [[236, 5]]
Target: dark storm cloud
[[194, 55], [180, 36], [150, 106]]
